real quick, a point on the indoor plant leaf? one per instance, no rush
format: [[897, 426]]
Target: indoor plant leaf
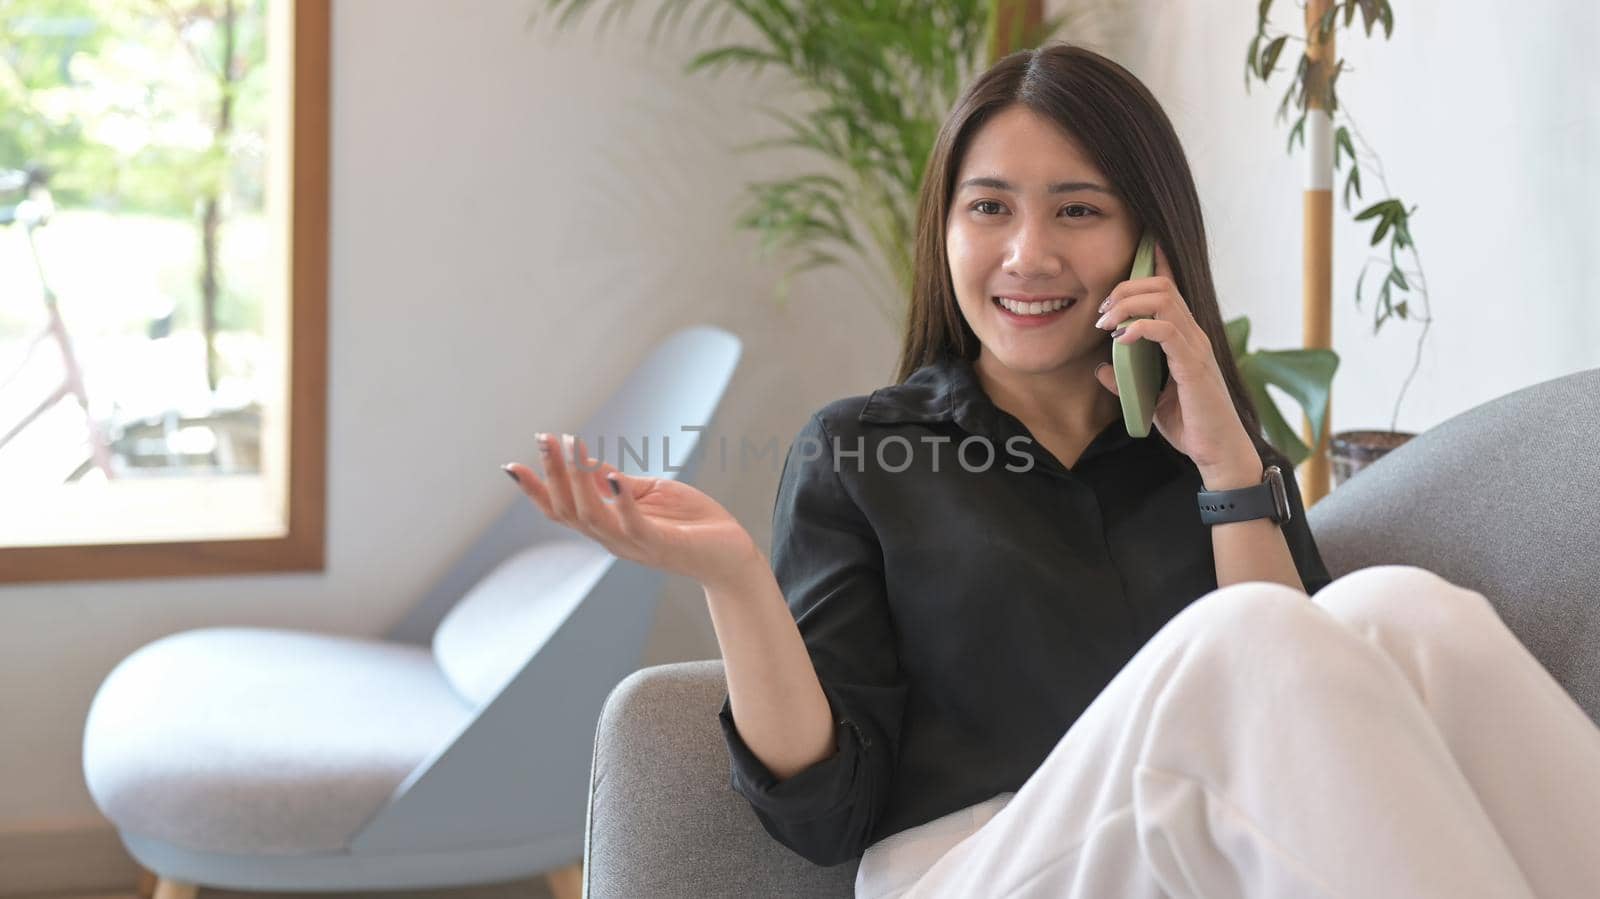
[[1305, 375]]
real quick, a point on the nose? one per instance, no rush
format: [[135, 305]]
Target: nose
[[1034, 253]]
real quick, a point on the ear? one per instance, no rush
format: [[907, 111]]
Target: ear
[[1107, 376]]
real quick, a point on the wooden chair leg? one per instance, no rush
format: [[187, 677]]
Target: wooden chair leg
[[147, 883], [566, 883], [174, 889]]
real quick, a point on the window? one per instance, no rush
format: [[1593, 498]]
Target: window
[[163, 260]]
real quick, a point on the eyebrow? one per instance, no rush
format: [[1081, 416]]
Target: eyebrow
[[1060, 187]]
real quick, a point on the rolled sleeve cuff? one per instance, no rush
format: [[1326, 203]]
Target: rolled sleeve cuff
[[811, 793]]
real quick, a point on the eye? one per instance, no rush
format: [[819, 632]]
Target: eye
[[1072, 210]]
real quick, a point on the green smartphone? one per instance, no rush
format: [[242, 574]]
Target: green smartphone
[[1140, 366]]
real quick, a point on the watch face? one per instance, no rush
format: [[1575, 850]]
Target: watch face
[[1280, 497]]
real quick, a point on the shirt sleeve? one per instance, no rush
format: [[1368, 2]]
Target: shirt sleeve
[[1297, 532], [829, 565]]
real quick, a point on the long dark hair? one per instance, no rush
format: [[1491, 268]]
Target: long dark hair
[[1120, 125]]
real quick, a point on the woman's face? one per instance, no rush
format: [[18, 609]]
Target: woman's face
[[1034, 221]]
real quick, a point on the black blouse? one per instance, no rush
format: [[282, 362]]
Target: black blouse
[[961, 615]]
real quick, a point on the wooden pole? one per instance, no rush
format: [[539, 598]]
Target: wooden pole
[[1015, 22], [1317, 249]]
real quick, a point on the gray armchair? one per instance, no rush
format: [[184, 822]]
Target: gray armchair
[[450, 753], [1504, 499]]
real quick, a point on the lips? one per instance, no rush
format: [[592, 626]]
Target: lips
[[1030, 316]]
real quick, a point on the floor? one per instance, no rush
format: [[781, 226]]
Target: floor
[[522, 889]]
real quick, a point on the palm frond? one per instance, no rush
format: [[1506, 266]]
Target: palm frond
[[879, 76]]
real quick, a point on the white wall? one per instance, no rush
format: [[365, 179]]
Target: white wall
[[1487, 117], [516, 217]]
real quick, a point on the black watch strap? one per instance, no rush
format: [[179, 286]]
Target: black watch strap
[[1267, 499]]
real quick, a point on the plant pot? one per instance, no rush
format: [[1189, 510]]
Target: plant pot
[[1351, 451]]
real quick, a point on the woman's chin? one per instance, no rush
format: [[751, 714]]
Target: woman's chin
[[1037, 360]]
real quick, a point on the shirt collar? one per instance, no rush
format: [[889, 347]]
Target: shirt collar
[[948, 390], [944, 390]]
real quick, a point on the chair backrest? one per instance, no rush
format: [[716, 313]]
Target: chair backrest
[[509, 615], [573, 622], [1503, 499]]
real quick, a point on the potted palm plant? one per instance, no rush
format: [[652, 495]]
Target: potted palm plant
[[1313, 92], [881, 83]]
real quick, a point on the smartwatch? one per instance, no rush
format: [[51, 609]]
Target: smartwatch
[[1267, 499]]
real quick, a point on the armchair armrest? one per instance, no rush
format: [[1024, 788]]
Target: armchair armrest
[[664, 819]]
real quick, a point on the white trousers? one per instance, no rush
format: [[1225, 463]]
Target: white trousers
[[1389, 738]]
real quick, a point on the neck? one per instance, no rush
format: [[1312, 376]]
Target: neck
[[1068, 401]]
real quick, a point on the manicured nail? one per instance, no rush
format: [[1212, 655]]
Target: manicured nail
[[1119, 332], [512, 473], [1105, 305], [616, 489]]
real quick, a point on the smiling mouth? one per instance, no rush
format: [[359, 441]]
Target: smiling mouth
[[1042, 309]]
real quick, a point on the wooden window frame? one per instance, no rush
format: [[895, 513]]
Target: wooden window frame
[[302, 547]]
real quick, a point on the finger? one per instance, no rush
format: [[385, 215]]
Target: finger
[[1107, 376], [1164, 303], [555, 475], [598, 471], [608, 533], [528, 481], [621, 492], [586, 498], [601, 471], [1137, 286], [1130, 298], [1167, 334], [626, 490]]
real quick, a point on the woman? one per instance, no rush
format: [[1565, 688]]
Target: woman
[[997, 652]]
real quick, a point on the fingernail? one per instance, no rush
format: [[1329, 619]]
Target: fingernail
[[616, 489], [1100, 366], [1104, 306], [512, 473], [1118, 332]]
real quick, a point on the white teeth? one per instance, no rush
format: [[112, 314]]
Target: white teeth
[[1041, 308]]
